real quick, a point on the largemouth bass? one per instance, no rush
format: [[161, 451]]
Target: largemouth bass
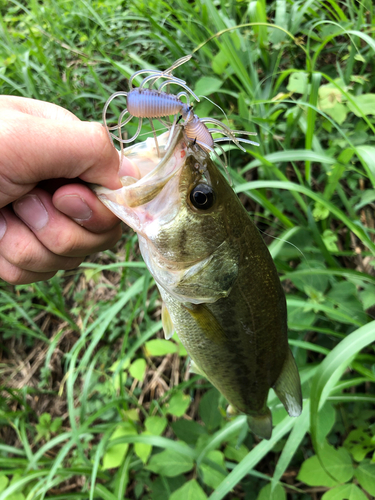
[[220, 288]]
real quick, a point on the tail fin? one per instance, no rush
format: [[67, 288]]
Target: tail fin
[[261, 424]]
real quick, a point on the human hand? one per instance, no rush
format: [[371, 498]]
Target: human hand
[[44, 229]]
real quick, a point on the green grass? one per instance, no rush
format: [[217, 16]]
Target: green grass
[[90, 405]]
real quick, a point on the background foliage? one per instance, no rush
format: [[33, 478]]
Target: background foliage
[[94, 403]]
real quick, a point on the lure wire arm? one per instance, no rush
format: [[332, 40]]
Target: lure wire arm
[[227, 137], [106, 105], [181, 85]]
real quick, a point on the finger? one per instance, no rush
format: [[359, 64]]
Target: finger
[[72, 149], [37, 108], [69, 149], [80, 203], [21, 248], [16, 276], [56, 231]]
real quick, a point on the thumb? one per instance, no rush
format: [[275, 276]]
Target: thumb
[[36, 148]]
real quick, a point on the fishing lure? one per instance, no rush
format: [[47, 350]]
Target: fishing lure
[[143, 102]]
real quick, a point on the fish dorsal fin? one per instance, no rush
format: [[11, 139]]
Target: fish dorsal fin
[[167, 322], [288, 387], [261, 425]]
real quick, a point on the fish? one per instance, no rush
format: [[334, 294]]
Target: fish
[[220, 288]]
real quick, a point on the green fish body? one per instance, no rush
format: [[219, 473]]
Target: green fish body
[[220, 287]]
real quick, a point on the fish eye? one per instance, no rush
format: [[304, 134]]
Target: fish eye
[[202, 196]]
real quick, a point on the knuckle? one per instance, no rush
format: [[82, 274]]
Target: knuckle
[[13, 275], [65, 244], [23, 255]]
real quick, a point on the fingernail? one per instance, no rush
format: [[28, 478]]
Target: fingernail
[[32, 211], [3, 226], [73, 206]]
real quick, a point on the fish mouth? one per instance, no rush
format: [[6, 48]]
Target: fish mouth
[[154, 198]]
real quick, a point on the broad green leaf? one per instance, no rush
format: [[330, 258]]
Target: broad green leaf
[[162, 487], [178, 404], [170, 463], [156, 425], [329, 238], [330, 95], [188, 430], [298, 315], [16, 496], [160, 347], [278, 493], [143, 450], [320, 212], [298, 82], [3, 483], [236, 453], [207, 85], [313, 474], [120, 365], [338, 112], [365, 102], [345, 492], [365, 473], [116, 454], [359, 443], [208, 409], [311, 280], [131, 414], [336, 462], [213, 477], [367, 296], [219, 63], [138, 369], [344, 298], [189, 491], [327, 417]]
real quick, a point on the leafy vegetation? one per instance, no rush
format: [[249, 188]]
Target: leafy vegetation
[[92, 404]]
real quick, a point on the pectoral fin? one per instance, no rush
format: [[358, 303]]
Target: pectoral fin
[[212, 278], [288, 387], [167, 322]]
